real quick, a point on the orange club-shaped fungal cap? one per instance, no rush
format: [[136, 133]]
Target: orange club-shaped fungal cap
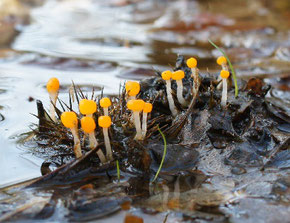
[[69, 119], [135, 105], [166, 75], [105, 121], [128, 85], [147, 107], [105, 102], [178, 75], [132, 88], [88, 124], [52, 85], [224, 74], [191, 62], [87, 106], [221, 60]]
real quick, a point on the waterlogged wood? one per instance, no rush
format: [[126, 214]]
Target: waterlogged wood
[[31, 203], [69, 173]]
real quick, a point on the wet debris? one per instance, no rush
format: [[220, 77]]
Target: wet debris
[[244, 128], [212, 152]]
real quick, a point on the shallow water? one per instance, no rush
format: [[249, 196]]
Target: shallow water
[[102, 43]]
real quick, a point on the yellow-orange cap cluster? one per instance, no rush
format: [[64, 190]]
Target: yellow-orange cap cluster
[[105, 121], [191, 62], [178, 75], [135, 105], [105, 102], [132, 88], [225, 74], [52, 85], [87, 106], [69, 119], [147, 107], [88, 124], [221, 60], [166, 75]]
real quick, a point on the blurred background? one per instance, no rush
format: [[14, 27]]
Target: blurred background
[[99, 44]]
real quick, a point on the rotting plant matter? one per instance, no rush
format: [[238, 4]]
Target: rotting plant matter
[[188, 117]]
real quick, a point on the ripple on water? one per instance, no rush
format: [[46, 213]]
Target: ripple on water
[[86, 40]]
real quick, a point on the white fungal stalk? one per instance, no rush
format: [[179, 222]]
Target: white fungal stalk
[[89, 115], [107, 144], [53, 98], [93, 140], [144, 124], [106, 111], [93, 144], [101, 156], [170, 99], [180, 93], [225, 67], [139, 135], [224, 93], [77, 143]]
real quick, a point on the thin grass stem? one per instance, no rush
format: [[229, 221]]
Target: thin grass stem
[[118, 170], [164, 154]]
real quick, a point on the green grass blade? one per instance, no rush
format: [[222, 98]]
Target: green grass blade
[[164, 154], [231, 67], [118, 170]]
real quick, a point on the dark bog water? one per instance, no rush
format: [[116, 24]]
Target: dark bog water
[[100, 44]]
